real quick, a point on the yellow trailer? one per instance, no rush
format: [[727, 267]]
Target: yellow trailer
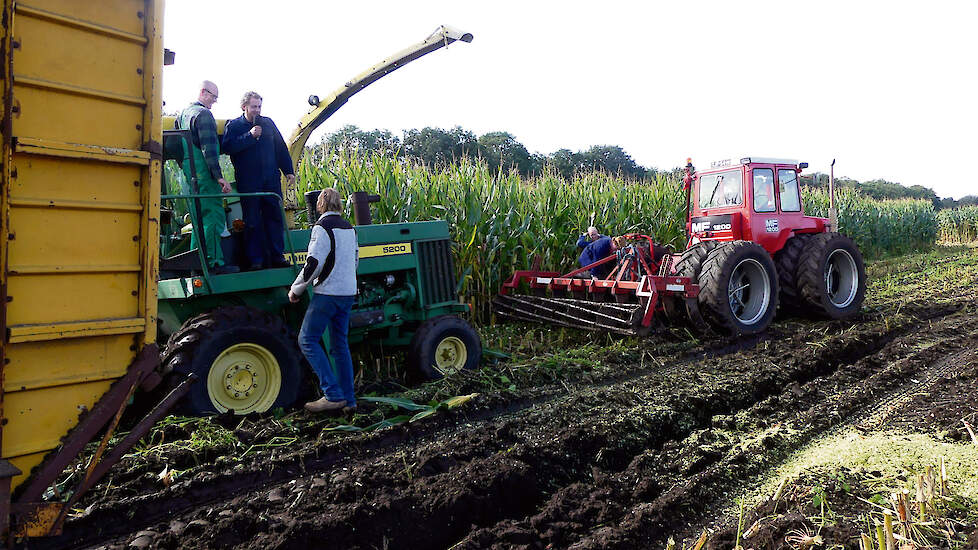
[[81, 168]]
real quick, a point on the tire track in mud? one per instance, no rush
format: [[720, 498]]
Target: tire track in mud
[[889, 373], [528, 482]]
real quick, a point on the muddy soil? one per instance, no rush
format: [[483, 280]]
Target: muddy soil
[[625, 457]]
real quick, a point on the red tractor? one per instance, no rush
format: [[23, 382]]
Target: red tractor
[[751, 247]]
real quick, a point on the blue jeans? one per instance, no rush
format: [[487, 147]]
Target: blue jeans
[[336, 376]]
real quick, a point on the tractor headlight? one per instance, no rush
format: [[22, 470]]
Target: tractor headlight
[[389, 280]]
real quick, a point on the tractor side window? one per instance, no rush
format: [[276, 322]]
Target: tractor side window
[[723, 189], [764, 190], [788, 188]]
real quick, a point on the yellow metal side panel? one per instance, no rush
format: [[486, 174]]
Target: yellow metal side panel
[[79, 57], [77, 238], [25, 463], [116, 14], [64, 117], [54, 179], [80, 210], [44, 299], [92, 359], [38, 419]]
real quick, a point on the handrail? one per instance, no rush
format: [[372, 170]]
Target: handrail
[[193, 226]]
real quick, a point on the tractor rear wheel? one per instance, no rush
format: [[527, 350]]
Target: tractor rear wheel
[[787, 260], [246, 360], [443, 346], [831, 276], [738, 288]]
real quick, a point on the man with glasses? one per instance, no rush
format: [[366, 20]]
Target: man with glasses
[[205, 150]]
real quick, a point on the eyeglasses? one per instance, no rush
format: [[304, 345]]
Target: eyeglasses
[[210, 92]]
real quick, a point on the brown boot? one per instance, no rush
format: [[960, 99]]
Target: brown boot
[[322, 405]]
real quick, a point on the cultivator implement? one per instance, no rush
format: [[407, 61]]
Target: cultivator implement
[[640, 290]]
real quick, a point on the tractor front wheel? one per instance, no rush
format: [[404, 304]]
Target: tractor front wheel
[[831, 276], [443, 346], [246, 361], [690, 264], [738, 288]]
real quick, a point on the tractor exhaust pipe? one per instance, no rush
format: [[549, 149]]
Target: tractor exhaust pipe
[[312, 213], [833, 213], [361, 207]]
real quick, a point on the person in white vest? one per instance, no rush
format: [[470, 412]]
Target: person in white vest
[[331, 269]]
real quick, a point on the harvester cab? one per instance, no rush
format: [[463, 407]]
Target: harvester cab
[[750, 249]]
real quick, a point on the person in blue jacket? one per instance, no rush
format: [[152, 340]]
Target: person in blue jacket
[[258, 153], [596, 246]]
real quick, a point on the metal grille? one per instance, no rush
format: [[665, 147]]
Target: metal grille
[[437, 271]]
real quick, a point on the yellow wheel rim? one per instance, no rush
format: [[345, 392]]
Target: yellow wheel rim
[[246, 378], [450, 356]]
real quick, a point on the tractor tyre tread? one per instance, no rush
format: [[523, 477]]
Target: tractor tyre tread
[[690, 264], [811, 276], [787, 260], [420, 351], [184, 347]]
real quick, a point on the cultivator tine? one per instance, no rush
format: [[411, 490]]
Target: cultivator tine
[[579, 314]]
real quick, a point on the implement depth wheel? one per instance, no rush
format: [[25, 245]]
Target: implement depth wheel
[[738, 288], [246, 361], [443, 346], [831, 276]]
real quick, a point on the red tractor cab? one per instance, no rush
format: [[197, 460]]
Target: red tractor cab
[[756, 199]]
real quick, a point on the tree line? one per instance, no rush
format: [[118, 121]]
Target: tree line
[[501, 151], [433, 147]]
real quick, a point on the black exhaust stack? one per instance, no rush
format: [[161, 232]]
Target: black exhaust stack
[[361, 207]]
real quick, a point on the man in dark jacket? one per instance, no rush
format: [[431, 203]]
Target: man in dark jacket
[[258, 153], [596, 246]]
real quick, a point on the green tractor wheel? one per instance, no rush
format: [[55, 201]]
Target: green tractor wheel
[[443, 346], [245, 359]]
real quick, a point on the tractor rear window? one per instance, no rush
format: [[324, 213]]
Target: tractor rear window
[[723, 189]]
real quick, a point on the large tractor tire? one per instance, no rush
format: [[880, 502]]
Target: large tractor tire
[[738, 288], [831, 276], [443, 346], [689, 264], [787, 260], [246, 360]]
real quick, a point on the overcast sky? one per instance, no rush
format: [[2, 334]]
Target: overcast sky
[[886, 88]]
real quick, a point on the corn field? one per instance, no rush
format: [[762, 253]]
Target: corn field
[[499, 222], [959, 225], [879, 228]]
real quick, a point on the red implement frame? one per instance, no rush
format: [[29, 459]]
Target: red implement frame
[[634, 279]]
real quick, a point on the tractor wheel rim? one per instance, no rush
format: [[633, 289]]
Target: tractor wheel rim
[[749, 291], [841, 278], [450, 356], [245, 377]]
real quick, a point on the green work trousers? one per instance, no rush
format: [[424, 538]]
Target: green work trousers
[[212, 220]]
